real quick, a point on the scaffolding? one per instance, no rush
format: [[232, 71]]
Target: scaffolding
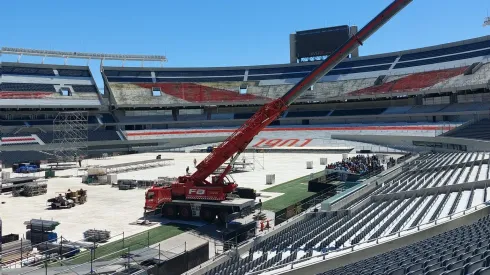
[[70, 136]]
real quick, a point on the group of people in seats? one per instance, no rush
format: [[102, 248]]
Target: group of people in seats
[[390, 163], [359, 164]]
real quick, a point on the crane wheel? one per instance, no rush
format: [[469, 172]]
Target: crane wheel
[[185, 212], [169, 211], [208, 215]]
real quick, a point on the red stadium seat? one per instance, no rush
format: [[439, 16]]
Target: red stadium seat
[[194, 92], [23, 95], [411, 83]]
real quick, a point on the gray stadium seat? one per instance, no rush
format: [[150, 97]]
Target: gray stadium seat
[[483, 271]]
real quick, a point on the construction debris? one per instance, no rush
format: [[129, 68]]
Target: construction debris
[[97, 236], [128, 184], [31, 189]]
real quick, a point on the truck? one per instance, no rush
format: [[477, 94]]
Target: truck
[[26, 168], [60, 201], [205, 194]]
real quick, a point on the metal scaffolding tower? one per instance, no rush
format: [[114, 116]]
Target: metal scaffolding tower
[[70, 136]]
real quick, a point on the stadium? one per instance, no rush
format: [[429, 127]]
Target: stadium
[[333, 163]]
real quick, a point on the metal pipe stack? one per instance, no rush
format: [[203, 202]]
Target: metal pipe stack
[[35, 189], [93, 235], [41, 231]]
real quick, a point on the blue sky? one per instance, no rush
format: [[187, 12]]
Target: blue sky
[[223, 32]]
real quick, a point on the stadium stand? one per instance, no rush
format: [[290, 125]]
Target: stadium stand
[[450, 67], [358, 112], [464, 250], [377, 215], [411, 83], [45, 138], [477, 130], [99, 135], [26, 85]]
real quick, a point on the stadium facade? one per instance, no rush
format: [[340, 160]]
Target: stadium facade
[[439, 87]]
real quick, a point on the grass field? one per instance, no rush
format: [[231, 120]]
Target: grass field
[[135, 242], [293, 191]]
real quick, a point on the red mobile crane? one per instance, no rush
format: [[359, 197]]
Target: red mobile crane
[[194, 195]]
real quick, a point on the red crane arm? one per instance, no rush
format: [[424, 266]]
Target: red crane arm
[[239, 140]]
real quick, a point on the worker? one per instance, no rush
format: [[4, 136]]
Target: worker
[[195, 162], [187, 170]]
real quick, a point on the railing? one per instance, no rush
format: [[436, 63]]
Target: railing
[[372, 243], [127, 243]]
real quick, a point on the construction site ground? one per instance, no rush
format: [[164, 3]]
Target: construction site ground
[[108, 208]]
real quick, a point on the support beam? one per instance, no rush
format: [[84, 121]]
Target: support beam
[[416, 170], [432, 191]]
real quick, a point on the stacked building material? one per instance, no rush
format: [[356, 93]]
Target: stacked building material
[[40, 237], [41, 231], [127, 184], [35, 189], [14, 251], [93, 235], [67, 250]]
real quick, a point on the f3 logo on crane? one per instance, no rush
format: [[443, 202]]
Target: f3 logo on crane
[[199, 192]]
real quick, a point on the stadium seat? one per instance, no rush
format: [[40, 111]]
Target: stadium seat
[[411, 82]]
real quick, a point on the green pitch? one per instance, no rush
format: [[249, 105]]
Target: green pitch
[[117, 248], [293, 192]]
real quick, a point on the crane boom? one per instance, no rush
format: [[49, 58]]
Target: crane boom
[[239, 140]]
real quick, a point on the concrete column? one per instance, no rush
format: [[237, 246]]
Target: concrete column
[[292, 48], [352, 31]]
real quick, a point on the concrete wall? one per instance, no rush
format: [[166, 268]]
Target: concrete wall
[[381, 248], [182, 262]]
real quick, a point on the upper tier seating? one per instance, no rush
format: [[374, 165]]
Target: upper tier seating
[[430, 70], [72, 72], [24, 85], [25, 90], [20, 70], [27, 87], [84, 88], [445, 51], [198, 93], [411, 83]]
